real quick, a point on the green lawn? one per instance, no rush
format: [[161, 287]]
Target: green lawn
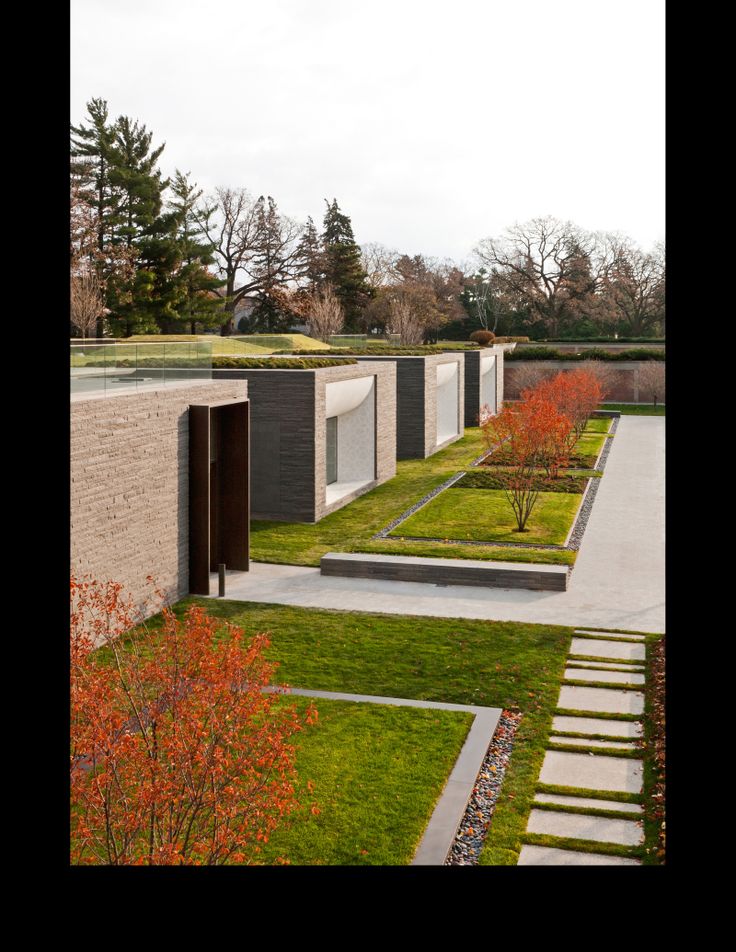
[[377, 772], [485, 515], [351, 529], [598, 425], [635, 409], [493, 663]]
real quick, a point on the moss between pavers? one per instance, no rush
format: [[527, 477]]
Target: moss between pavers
[[583, 846]]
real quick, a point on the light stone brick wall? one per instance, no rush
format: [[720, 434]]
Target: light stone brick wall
[[385, 431], [130, 484]]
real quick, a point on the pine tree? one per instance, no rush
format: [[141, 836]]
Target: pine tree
[[93, 154], [275, 264], [311, 258], [343, 268], [196, 303], [147, 302]]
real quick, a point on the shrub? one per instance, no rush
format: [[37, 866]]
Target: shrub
[[594, 353], [178, 756], [511, 340], [490, 479], [279, 363], [483, 337]]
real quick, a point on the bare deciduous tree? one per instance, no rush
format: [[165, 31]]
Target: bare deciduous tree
[[552, 267], [636, 287], [603, 372], [324, 314], [652, 380], [528, 376], [379, 264], [87, 302]]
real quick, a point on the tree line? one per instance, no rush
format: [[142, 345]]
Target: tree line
[[158, 255]]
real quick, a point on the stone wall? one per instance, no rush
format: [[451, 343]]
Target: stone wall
[[130, 484], [476, 384], [416, 402], [288, 437], [624, 386]]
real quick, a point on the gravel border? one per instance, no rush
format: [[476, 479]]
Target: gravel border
[[576, 533], [474, 826]]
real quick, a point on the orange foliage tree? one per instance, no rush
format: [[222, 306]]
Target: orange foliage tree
[[178, 757], [531, 432], [575, 393]]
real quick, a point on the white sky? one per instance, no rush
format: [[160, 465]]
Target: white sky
[[434, 123]]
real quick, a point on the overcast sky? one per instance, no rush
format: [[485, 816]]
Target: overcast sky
[[434, 123]]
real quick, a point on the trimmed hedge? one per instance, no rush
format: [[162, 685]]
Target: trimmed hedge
[[501, 457], [389, 351], [602, 340], [511, 340], [483, 337], [594, 353], [224, 363], [278, 363], [499, 480]]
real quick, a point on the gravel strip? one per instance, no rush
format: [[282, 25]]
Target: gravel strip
[[474, 826]]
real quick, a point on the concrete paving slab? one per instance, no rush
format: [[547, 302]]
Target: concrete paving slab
[[591, 802], [587, 742], [597, 725], [604, 677], [550, 856], [610, 635], [592, 771], [604, 700], [608, 649], [581, 826]]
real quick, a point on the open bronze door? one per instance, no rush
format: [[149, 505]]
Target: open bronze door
[[219, 490]]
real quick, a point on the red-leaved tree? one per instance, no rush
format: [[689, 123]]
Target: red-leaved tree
[[575, 394], [528, 431], [178, 757]]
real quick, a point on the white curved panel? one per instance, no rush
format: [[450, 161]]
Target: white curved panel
[[486, 364], [342, 396], [447, 401], [445, 373]]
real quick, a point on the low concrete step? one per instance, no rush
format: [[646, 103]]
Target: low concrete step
[[475, 572], [597, 725]]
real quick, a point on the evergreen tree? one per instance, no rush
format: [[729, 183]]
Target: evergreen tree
[[311, 258], [196, 303], [275, 263], [343, 267], [93, 154], [147, 302]]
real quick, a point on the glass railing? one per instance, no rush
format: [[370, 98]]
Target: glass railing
[[112, 367]]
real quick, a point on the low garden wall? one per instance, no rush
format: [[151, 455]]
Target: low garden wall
[[624, 386]]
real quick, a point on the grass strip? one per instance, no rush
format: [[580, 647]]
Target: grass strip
[[604, 751], [583, 846], [620, 795], [654, 760], [588, 811]]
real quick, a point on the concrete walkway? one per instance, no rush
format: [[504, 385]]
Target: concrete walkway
[[618, 580], [603, 760]]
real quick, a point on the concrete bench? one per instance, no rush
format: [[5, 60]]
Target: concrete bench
[[402, 568]]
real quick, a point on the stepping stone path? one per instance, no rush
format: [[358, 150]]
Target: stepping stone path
[[596, 765]]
